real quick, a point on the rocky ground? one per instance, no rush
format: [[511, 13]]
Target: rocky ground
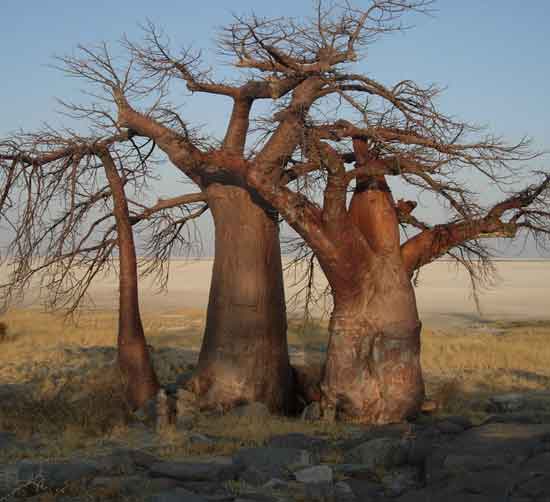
[[505, 458]]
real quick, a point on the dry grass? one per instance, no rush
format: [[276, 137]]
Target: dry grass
[[64, 385]]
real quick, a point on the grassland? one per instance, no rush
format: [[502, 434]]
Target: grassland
[[58, 380]]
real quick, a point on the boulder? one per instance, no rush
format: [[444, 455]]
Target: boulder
[[314, 475], [380, 452], [177, 495], [266, 457], [191, 471], [299, 441], [505, 403]]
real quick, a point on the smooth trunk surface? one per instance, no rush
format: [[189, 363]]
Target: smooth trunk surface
[[372, 372], [244, 356]]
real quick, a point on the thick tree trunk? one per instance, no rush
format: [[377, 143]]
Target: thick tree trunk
[[134, 361], [244, 355], [372, 373]]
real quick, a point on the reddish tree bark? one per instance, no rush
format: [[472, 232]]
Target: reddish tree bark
[[244, 355], [134, 360]]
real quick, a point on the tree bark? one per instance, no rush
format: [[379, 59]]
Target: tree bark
[[244, 355], [372, 372], [140, 380]]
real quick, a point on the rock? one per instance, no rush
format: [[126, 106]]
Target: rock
[[54, 475], [319, 492], [537, 465], [365, 490], [448, 427], [356, 471], [190, 471], [315, 474], [177, 495], [464, 422], [255, 477], [534, 487], [506, 403], [464, 463], [121, 461], [299, 441], [400, 481], [419, 450], [276, 484], [312, 412], [254, 411], [8, 440], [196, 438], [266, 457], [381, 452], [123, 484], [343, 492]]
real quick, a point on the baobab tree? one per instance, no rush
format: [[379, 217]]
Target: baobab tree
[[330, 129], [367, 133], [65, 199]]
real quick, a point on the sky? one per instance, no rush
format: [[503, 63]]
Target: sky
[[491, 56]]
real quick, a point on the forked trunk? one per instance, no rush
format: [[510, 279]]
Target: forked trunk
[[134, 361], [244, 355], [372, 373]]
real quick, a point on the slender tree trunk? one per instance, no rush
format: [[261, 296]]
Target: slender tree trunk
[[372, 371], [133, 356], [244, 355]]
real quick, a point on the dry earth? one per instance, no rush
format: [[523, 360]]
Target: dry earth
[[59, 394]]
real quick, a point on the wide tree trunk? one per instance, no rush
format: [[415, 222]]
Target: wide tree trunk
[[244, 355], [140, 380], [372, 372]]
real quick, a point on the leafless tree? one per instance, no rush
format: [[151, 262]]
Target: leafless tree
[[65, 199], [342, 128], [329, 128]]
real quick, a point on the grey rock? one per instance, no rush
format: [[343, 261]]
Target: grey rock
[[54, 475], [256, 411], [365, 490], [190, 471], [115, 463], [125, 484], [535, 487], [319, 492], [505, 403], [196, 438], [343, 492], [448, 427], [177, 495], [463, 463], [276, 484], [400, 481], [7, 440], [539, 464], [255, 477], [359, 471], [464, 422], [299, 441], [255, 497], [312, 412], [316, 474], [419, 450], [381, 452], [265, 457]]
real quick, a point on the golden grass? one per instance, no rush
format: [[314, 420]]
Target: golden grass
[[72, 388]]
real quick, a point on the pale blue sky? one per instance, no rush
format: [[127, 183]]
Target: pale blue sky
[[493, 56]]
